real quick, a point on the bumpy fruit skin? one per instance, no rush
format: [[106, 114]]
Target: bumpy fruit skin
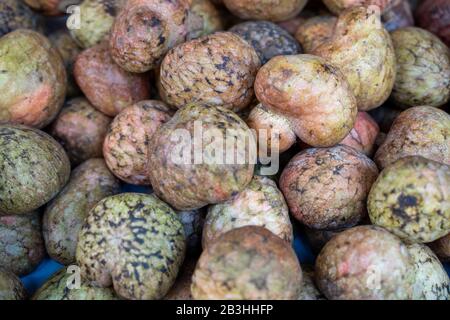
[[11, 288], [218, 70], [399, 15], [309, 290], [96, 20], [431, 279], [423, 69], [16, 15], [56, 288], [312, 94], [181, 290], [107, 86], [315, 31], [434, 16], [419, 131], [21, 243], [260, 204], [410, 198], [268, 125], [145, 30], [343, 176], [33, 169], [68, 50], [89, 183], [248, 263], [33, 80], [442, 248], [268, 39], [81, 130], [203, 19], [338, 6], [193, 222], [272, 10], [126, 145], [190, 182], [365, 263], [363, 135], [363, 50], [134, 242]]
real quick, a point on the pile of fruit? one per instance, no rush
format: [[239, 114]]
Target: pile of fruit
[[198, 101]]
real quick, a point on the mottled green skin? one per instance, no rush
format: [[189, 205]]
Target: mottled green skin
[[261, 203], [10, 287], [423, 68], [56, 289], [365, 263], [309, 289], [410, 198], [418, 131], [97, 18], [15, 15], [21, 244], [134, 242], [89, 183], [33, 169], [431, 281], [203, 19], [33, 80], [248, 263], [188, 185]]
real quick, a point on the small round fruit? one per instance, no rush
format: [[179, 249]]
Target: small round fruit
[[410, 198], [248, 263], [419, 131], [221, 167], [343, 176], [216, 70], [126, 148], [363, 135], [423, 69], [33, 169], [312, 94], [260, 204], [21, 244], [434, 16], [431, 279], [107, 86], [11, 288], [33, 79], [203, 19], [90, 182], [365, 263], [267, 38], [62, 286], [442, 248], [16, 15], [81, 130], [134, 242]]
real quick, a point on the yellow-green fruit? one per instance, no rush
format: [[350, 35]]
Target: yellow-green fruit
[[410, 198]]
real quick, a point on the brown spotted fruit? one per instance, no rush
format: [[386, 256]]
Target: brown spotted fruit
[[216, 70], [362, 48], [423, 69], [16, 15], [33, 79], [81, 130], [434, 16], [410, 199], [419, 131], [11, 288], [203, 19], [261, 203], [272, 10], [312, 93], [144, 30], [363, 135], [89, 183], [33, 169], [203, 155], [343, 176], [365, 263], [248, 263], [134, 242], [126, 146], [21, 243], [107, 86]]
